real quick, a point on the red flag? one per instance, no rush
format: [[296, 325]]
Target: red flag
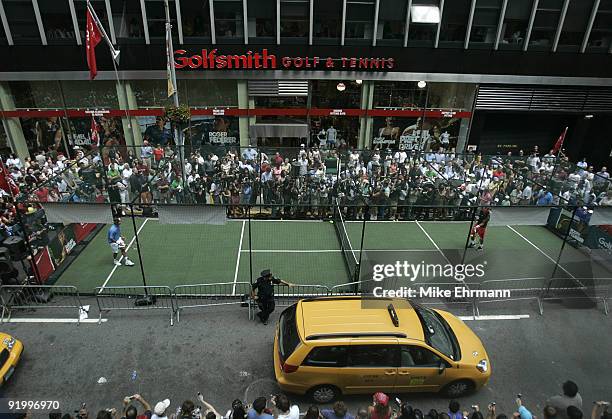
[[95, 136], [7, 182], [92, 38], [559, 142]]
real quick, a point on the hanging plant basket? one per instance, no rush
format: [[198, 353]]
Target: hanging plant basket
[[179, 115]]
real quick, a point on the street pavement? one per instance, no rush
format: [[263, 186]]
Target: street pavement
[[223, 355]]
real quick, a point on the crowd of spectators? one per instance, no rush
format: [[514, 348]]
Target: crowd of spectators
[[305, 182], [567, 405]]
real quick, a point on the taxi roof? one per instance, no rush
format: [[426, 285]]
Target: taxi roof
[[335, 317]]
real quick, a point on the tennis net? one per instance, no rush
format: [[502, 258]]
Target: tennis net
[[350, 258]]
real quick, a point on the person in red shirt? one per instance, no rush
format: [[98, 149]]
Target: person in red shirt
[[480, 228], [158, 154]]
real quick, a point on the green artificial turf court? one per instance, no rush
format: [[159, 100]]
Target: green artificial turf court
[[308, 252]]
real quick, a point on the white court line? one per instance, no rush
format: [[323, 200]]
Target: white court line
[[496, 317], [33, 320], [545, 255], [238, 258], [433, 242], [126, 250], [334, 250]]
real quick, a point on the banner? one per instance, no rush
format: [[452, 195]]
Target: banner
[[81, 231], [62, 245], [214, 130], [44, 265]]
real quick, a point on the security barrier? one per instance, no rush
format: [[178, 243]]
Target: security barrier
[[209, 295], [516, 293], [596, 290], [287, 295], [34, 297], [135, 298]]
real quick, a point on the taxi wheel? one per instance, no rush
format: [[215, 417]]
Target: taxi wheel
[[458, 388], [324, 393]]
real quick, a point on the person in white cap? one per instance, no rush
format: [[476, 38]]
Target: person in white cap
[[159, 412]]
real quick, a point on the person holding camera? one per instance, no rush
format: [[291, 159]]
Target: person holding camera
[[130, 411], [263, 293]]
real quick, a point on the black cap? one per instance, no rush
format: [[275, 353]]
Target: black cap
[[266, 272]]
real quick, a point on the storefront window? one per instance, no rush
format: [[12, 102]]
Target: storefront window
[[545, 24], [78, 132], [574, 26], [391, 22], [359, 22], [439, 134], [152, 93], [281, 102], [196, 21], [327, 22], [451, 96], [36, 94], [403, 95], [332, 131], [516, 22], [211, 93], [454, 23], [294, 20], [601, 34], [229, 17], [57, 22], [156, 19], [484, 26], [87, 94], [44, 134], [262, 20], [21, 21], [325, 94], [80, 7], [127, 19], [212, 130]]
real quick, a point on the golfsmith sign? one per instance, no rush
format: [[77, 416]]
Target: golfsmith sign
[[263, 60]]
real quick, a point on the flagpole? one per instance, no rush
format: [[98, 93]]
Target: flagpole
[[177, 132]]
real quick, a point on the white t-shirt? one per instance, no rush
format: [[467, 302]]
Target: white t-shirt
[[331, 134], [294, 413]]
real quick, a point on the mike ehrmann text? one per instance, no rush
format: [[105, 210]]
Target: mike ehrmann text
[[437, 292]]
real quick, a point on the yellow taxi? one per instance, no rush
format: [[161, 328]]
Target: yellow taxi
[[10, 352], [329, 346]]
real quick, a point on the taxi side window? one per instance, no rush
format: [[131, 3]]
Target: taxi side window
[[416, 356], [373, 356], [327, 356]]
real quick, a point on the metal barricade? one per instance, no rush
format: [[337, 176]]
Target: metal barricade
[[287, 295], [135, 298], [596, 290], [517, 293], [35, 297], [209, 295]]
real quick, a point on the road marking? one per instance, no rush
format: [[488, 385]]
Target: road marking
[[496, 317], [38, 320], [126, 250], [433, 242], [541, 251], [238, 259]]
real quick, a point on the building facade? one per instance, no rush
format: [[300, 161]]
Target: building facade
[[498, 75]]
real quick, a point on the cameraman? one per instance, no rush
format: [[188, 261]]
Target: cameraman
[[263, 293]]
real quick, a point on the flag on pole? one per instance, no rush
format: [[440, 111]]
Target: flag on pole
[[92, 38], [7, 183], [169, 60], [94, 135], [94, 34], [559, 143]]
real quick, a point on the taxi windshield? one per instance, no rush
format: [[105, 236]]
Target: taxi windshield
[[438, 333]]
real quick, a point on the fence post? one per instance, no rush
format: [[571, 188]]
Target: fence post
[[467, 240], [250, 246], [358, 273], [565, 237]]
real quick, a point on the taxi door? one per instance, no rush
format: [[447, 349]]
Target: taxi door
[[371, 367], [420, 370]]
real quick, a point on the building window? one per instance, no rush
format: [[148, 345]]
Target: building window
[[262, 20], [152, 93], [325, 94], [359, 22], [422, 34], [391, 22], [36, 94], [327, 22], [281, 102], [601, 34], [57, 21], [156, 19], [515, 24], [87, 94], [402, 95], [229, 27], [127, 20], [195, 18], [545, 24], [295, 25], [210, 93], [454, 23], [21, 21], [484, 26], [574, 26]]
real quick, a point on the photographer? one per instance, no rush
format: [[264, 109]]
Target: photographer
[[130, 411]]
